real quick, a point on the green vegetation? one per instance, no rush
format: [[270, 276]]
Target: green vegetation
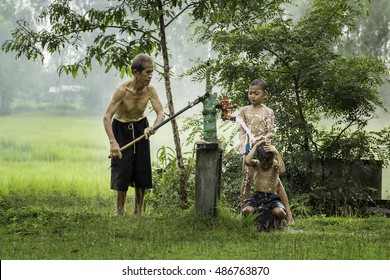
[[56, 226], [55, 203], [309, 79], [53, 154]]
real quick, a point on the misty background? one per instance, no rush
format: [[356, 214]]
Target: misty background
[[32, 86], [29, 85]]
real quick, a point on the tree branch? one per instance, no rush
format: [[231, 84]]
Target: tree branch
[[181, 12]]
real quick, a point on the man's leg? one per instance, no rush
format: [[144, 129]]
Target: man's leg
[[120, 203], [139, 199]]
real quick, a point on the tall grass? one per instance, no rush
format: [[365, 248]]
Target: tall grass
[[53, 153]]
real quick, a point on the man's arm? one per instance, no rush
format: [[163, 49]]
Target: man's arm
[[111, 109], [158, 108]]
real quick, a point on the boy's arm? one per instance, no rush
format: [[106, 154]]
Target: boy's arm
[[283, 196], [242, 134], [281, 166], [249, 158], [270, 125], [269, 136], [279, 159], [241, 141]]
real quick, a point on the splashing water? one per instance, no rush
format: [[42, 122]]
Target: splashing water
[[241, 122]]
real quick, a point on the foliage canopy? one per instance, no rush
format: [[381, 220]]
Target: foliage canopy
[[309, 80]]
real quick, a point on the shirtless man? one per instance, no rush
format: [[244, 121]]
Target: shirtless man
[[125, 121], [269, 192], [257, 123]]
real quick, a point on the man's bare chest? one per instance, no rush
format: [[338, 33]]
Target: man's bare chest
[[134, 101]]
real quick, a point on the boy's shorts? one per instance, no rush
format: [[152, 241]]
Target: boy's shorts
[[264, 203], [264, 200]]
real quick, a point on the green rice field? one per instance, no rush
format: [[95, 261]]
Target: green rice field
[[53, 153]]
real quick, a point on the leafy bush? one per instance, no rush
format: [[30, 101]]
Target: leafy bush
[[339, 175], [232, 174], [165, 193]]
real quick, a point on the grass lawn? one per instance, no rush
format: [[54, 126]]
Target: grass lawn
[[55, 203], [68, 226]]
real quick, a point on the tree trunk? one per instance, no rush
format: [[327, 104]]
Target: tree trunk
[[176, 137]]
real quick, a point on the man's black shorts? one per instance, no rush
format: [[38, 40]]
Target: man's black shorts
[[134, 169]]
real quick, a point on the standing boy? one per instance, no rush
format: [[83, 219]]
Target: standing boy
[[257, 123], [124, 121]]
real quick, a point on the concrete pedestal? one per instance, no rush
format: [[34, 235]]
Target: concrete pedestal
[[207, 178]]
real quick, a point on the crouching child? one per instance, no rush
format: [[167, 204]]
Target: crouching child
[[269, 200]]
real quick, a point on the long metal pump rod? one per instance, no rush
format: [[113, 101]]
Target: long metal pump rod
[[190, 105]]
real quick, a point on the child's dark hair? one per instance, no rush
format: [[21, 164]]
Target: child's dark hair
[[261, 153], [261, 83]]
